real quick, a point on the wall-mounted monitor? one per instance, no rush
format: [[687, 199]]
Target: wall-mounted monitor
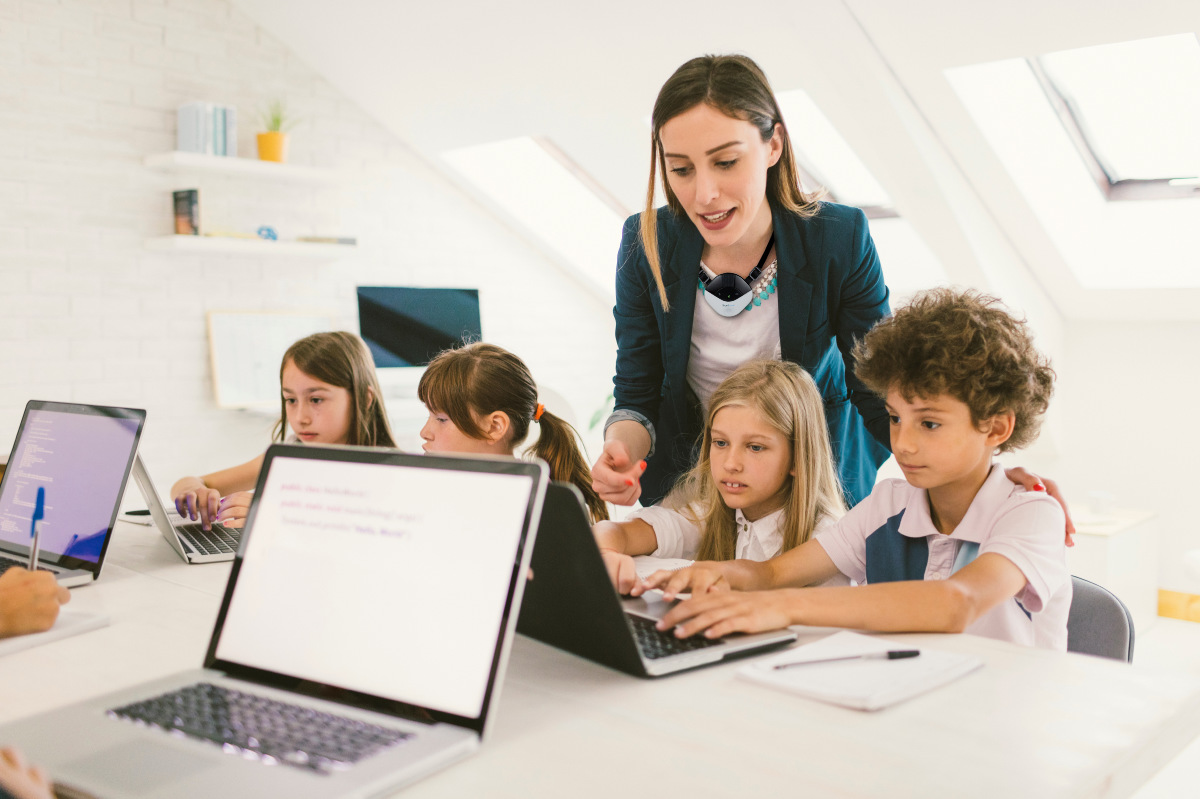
[[406, 327]]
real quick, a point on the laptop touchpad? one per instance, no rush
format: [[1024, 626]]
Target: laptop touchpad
[[138, 766]]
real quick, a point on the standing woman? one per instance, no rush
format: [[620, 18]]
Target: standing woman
[[742, 264]]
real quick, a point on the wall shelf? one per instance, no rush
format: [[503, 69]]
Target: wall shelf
[[220, 245], [178, 161]]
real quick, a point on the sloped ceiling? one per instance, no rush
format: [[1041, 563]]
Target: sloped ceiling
[[446, 75]]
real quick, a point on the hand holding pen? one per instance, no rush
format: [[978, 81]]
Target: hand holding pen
[[29, 600], [35, 528]]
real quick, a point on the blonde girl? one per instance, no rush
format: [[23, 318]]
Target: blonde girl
[[329, 394], [481, 399], [763, 484]]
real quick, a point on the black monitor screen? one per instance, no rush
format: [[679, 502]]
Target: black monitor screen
[[408, 326]]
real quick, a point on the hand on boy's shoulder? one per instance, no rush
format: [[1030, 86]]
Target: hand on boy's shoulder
[[1034, 484]]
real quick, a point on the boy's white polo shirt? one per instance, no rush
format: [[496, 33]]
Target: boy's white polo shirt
[[890, 536]]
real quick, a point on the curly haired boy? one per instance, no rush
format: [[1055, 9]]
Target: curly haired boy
[[955, 546]]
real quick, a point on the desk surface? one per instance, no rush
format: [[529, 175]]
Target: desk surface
[[1030, 723]]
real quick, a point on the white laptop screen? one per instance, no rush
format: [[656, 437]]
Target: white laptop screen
[[385, 579], [81, 456]]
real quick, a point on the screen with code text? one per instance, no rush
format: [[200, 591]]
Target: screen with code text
[[81, 459]]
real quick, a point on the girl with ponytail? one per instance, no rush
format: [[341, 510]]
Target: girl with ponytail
[[481, 399]]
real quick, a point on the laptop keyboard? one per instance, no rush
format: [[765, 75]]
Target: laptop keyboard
[[655, 643], [264, 729], [217, 541], [8, 563]]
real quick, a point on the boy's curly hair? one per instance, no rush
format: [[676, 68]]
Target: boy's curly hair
[[964, 344]]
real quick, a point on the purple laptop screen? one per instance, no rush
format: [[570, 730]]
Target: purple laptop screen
[[81, 461]]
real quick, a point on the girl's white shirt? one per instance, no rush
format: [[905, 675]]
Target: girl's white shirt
[[679, 537], [721, 344]]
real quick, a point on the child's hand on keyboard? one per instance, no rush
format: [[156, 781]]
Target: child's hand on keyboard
[[194, 500], [234, 508], [621, 570], [699, 578]]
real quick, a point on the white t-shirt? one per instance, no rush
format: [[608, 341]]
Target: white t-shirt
[[679, 537], [721, 344], [890, 536]]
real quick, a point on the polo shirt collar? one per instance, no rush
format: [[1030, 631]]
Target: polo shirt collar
[[917, 523]]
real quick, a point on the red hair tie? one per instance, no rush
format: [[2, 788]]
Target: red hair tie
[[537, 415]]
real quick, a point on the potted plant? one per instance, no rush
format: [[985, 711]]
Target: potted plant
[[272, 144]]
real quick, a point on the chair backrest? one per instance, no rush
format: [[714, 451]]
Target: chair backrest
[[1099, 623]]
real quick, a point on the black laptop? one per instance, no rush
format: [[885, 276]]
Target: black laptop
[[570, 603]]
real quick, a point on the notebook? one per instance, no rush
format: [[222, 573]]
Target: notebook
[[189, 539], [859, 684], [570, 603], [81, 455], [360, 643]]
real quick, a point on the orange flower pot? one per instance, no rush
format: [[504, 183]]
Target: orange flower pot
[[272, 146]]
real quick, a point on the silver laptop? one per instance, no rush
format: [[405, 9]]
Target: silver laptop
[[189, 539], [571, 604], [360, 645], [80, 455]]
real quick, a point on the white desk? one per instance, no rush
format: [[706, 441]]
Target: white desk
[[1029, 724]]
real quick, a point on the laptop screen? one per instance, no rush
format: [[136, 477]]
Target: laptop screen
[[382, 578], [81, 455]]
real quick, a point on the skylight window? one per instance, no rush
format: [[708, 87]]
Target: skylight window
[[1107, 245], [1136, 104], [538, 186], [828, 158], [828, 161]]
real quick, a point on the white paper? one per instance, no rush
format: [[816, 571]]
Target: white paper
[[862, 684], [69, 622]]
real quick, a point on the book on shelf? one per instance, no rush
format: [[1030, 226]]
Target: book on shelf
[[187, 212], [206, 128]]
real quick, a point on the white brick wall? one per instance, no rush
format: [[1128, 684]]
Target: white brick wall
[[88, 88]]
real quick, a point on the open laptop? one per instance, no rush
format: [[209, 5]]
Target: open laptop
[[570, 603], [81, 456], [360, 644], [189, 539]]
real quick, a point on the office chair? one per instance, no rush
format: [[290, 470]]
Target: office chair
[[1099, 623]]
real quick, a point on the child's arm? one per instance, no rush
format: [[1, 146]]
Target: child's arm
[[947, 606], [202, 495], [618, 542], [805, 565]]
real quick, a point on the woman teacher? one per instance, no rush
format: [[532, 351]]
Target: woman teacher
[[742, 264]]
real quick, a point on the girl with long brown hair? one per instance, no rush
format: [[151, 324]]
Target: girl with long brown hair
[[329, 394], [482, 399]]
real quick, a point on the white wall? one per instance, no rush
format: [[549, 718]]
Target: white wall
[[1126, 393], [87, 90]]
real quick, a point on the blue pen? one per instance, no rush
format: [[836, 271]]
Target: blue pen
[[35, 527]]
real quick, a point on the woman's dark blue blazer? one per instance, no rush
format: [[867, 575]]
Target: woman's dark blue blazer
[[831, 291]]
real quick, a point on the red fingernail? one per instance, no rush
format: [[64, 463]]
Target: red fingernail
[[628, 481], [643, 465], [1039, 487]]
